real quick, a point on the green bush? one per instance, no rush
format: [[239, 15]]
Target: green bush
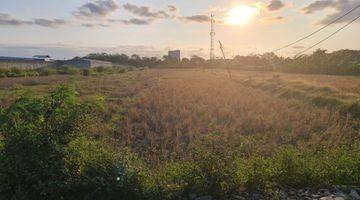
[[46, 71], [352, 108], [66, 70], [254, 174], [86, 72], [100, 69], [14, 72], [3, 72], [96, 172], [36, 132], [217, 171], [174, 181], [341, 166], [292, 168], [121, 71]]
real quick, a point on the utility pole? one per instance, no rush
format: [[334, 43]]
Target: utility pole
[[225, 61], [212, 35], [222, 50]]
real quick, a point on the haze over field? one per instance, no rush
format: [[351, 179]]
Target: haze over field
[[150, 28]]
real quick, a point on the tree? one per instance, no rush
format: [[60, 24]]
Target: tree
[[185, 61]]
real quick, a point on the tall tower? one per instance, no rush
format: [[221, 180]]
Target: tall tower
[[212, 35]]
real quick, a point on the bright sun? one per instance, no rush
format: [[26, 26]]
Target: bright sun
[[240, 15]]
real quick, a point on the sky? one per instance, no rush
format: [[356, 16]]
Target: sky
[[68, 28]]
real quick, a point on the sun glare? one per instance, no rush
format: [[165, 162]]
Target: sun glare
[[241, 15]]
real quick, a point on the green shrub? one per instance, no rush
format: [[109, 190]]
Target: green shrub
[[46, 71], [16, 70], [3, 72], [100, 69], [254, 174], [215, 172], [86, 72], [68, 70], [292, 168], [174, 181], [98, 173], [32, 73], [45, 154], [351, 108], [341, 166], [324, 101], [36, 132], [121, 71]]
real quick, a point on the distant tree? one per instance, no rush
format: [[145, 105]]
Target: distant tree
[[344, 62], [185, 61], [197, 59]]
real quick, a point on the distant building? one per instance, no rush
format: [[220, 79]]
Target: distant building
[[175, 55], [39, 61], [25, 63], [84, 63], [45, 58]]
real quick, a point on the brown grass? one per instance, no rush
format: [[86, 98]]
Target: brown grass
[[181, 107], [165, 114]]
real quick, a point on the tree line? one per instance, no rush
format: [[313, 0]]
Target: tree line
[[342, 62]]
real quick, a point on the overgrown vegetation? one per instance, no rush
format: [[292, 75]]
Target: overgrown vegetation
[[63, 70], [171, 134], [47, 155], [342, 62], [345, 103]]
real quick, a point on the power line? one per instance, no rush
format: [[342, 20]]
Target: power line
[[322, 28], [328, 37]]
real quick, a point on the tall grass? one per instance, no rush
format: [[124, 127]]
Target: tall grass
[[172, 134], [346, 103]]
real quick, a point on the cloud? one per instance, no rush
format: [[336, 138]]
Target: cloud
[[197, 18], [339, 7], [97, 9], [275, 5], [7, 20], [172, 8], [94, 25], [272, 20], [56, 51], [50, 23], [145, 11], [317, 5], [133, 21]]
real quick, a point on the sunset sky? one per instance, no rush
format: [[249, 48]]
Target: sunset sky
[[67, 28]]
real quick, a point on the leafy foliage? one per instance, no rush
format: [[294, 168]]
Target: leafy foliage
[[45, 156], [96, 172]]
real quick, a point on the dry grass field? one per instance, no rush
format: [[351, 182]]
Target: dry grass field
[[162, 111], [195, 116]]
